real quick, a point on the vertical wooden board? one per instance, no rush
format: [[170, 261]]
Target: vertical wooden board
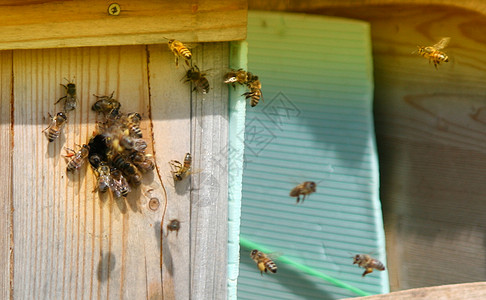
[[209, 196], [171, 113], [6, 167], [70, 242]]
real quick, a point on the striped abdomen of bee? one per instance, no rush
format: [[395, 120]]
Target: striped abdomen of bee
[[133, 124], [56, 125], [77, 159], [255, 95], [263, 262]]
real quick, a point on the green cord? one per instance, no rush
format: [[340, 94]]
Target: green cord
[[251, 245]]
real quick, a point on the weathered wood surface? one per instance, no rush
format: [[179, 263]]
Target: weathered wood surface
[[431, 135], [51, 24], [6, 145], [476, 290], [70, 242]]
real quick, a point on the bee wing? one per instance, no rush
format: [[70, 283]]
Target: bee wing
[[442, 43], [274, 255]]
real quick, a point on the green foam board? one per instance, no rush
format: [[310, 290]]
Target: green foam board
[[315, 124]]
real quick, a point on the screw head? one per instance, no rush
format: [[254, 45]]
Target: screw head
[[114, 9]]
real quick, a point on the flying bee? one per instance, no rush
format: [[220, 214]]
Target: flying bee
[[77, 158], [105, 104], [236, 76], [255, 86], [433, 53], [133, 124], [263, 262], [368, 263], [305, 188], [103, 174], [198, 78], [181, 171], [56, 125], [118, 184], [70, 98], [255, 95], [180, 50], [174, 225]]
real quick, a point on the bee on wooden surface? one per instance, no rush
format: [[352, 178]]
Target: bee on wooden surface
[[263, 262], [305, 188], [129, 169], [174, 225], [433, 53], [368, 263], [143, 162], [103, 177], [77, 158], [56, 125], [118, 184], [70, 97], [180, 51], [181, 171], [133, 124], [198, 78], [105, 104]]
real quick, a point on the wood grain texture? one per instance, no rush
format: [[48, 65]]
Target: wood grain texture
[[209, 197], [6, 145], [430, 127], [70, 242], [476, 290], [52, 24]]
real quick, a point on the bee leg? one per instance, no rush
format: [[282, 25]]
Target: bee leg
[[177, 62], [60, 100], [367, 271], [298, 199]]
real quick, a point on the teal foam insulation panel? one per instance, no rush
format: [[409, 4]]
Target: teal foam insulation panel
[[316, 124]]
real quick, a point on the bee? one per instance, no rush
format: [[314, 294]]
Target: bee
[[103, 176], [98, 149], [305, 188], [143, 162], [105, 104], [179, 50], [236, 76], [174, 225], [433, 53], [129, 169], [369, 263], [133, 124], [70, 98], [263, 262], [56, 125], [181, 171], [77, 158], [255, 86], [201, 83], [118, 184]]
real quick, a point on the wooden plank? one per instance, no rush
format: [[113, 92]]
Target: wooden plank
[[209, 196], [6, 168], [475, 290], [430, 135], [171, 114], [51, 24], [69, 243]]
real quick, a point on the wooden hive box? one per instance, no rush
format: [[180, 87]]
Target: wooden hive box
[[63, 240], [430, 128]]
